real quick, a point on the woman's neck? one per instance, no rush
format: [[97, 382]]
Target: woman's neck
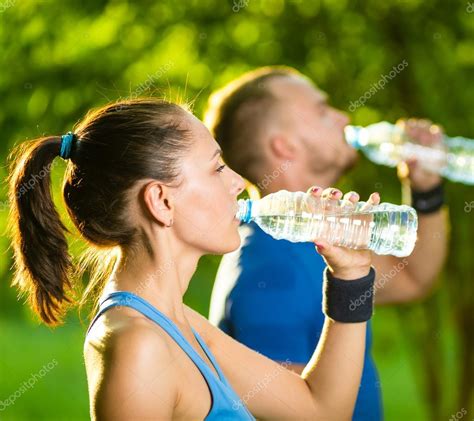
[[161, 278]]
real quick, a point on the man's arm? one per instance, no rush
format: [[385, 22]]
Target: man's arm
[[413, 277]]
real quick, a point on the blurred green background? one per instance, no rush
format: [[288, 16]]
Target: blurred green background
[[60, 58]]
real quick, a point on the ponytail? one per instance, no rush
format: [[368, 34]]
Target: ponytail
[[42, 263], [111, 150]]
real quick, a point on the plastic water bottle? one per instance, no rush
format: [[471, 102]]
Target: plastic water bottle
[[301, 217], [386, 144]]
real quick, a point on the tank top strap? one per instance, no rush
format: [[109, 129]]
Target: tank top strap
[[128, 299], [225, 402], [211, 358]]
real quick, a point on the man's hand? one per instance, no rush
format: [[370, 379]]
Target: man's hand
[[425, 133]]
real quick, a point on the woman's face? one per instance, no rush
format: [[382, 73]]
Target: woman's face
[[206, 199]]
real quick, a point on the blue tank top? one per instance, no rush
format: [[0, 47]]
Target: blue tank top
[[226, 404]]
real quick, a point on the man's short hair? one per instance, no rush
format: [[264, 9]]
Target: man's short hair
[[236, 115]]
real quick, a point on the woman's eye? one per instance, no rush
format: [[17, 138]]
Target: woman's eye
[[221, 168]]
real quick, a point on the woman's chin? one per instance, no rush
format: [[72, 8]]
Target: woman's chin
[[230, 245]]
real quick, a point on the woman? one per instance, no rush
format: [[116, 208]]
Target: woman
[[145, 183]]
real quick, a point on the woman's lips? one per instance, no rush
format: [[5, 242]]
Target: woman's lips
[[234, 215]]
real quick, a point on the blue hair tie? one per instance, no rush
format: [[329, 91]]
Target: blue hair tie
[[66, 145]]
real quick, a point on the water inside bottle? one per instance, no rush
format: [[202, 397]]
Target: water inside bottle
[[382, 230]]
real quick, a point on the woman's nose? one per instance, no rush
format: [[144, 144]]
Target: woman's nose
[[238, 184]]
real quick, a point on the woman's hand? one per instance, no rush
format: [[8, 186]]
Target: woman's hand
[[344, 263]]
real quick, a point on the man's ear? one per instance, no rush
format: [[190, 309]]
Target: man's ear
[[159, 201], [282, 147]]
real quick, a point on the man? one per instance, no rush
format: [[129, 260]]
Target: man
[[277, 130]]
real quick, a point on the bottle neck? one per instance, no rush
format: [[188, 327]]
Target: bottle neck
[[244, 213], [352, 135]]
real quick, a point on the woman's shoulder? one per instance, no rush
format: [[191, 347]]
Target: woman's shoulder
[[123, 331], [127, 355]]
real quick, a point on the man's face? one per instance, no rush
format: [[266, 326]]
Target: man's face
[[312, 123]]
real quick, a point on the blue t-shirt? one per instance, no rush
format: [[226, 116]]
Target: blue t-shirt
[[268, 296]]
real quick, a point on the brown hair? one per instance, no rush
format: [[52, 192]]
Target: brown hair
[[115, 147], [235, 116]]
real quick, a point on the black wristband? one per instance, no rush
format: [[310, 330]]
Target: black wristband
[[348, 301], [428, 201]]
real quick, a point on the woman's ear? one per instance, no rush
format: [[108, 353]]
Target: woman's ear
[[159, 202]]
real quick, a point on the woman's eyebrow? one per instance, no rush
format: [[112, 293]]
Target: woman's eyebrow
[[217, 152]]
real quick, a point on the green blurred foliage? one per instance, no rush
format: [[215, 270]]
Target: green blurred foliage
[[59, 59]]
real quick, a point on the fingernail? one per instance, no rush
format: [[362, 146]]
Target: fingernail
[[334, 193], [315, 189]]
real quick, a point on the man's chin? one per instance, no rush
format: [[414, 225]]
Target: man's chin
[[351, 162]]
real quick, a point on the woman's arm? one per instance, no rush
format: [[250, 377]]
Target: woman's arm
[[328, 387]]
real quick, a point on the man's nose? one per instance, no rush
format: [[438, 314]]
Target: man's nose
[[342, 118]]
